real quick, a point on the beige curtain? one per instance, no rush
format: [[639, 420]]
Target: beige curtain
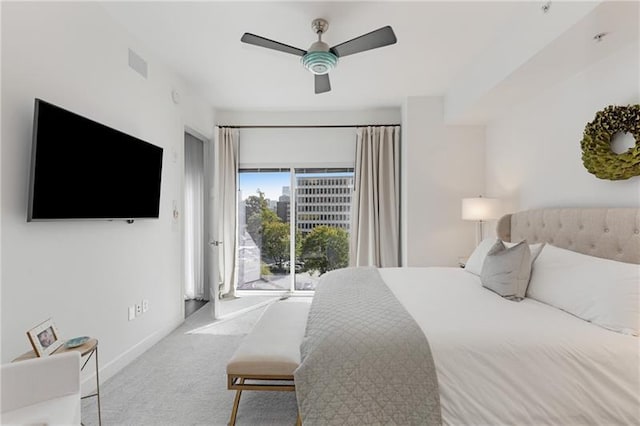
[[376, 202], [224, 207]]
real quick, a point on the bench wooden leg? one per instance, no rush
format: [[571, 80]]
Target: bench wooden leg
[[299, 420], [236, 402]]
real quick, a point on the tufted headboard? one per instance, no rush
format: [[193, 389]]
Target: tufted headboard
[[608, 233]]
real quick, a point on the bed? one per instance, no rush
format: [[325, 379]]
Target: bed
[[504, 362]]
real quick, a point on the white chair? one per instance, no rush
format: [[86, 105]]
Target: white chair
[[41, 391]]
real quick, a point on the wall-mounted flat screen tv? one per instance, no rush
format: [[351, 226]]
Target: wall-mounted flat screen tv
[[81, 169]]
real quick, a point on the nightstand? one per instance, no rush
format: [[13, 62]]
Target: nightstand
[[89, 349]]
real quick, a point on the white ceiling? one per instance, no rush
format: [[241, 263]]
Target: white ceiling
[[201, 42], [566, 55]]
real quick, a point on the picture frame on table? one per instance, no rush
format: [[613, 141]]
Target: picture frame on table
[[45, 338]]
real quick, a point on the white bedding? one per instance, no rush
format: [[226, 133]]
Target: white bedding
[[527, 363]]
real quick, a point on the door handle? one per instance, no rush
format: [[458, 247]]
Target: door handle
[[215, 243]]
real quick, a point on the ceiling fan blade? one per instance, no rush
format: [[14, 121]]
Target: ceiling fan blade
[[381, 37], [271, 44], [322, 83]]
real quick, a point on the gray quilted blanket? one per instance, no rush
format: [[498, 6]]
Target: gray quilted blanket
[[365, 361]]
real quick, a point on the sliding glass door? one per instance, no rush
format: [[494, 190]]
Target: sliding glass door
[[264, 230], [293, 226], [323, 216]]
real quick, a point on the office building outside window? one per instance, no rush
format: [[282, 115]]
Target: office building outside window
[[323, 201]]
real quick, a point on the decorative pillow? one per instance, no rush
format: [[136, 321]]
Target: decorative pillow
[[601, 291], [506, 271], [476, 260], [534, 248]]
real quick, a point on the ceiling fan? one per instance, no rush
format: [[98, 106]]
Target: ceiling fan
[[320, 58]]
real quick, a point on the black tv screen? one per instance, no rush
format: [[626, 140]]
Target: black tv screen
[[81, 169]]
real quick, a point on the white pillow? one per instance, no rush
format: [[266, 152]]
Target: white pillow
[[476, 260], [601, 291]]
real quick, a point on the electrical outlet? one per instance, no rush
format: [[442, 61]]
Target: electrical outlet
[[132, 313], [145, 305], [138, 309]]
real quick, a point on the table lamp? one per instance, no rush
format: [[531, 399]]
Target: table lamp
[[480, 209]]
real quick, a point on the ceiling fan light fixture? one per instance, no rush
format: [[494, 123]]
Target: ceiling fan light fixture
[[319, 63], [320, 59]]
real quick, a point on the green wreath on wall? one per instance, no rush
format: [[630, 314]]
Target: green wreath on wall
[[597, 155]]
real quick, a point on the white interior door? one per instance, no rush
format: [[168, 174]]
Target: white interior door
[[212, 253]]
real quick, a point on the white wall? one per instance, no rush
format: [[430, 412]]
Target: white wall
[[533, 154], [300, 146], [378, 116], [440, 165], [85, 274]]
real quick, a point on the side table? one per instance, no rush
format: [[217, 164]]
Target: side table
[[88, 349]]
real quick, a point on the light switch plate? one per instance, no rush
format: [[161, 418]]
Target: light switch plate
[[132, 313]]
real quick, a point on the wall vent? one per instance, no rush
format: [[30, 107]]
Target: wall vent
[[137, 64]]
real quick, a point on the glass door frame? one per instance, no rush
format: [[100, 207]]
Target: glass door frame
[[292, 241], [292, 227]]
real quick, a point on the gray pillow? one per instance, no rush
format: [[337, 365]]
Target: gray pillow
[[506, 271]]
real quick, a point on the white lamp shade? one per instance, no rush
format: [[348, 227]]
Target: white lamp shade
[[480, 208]]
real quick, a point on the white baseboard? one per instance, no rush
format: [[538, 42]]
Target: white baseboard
[[88, 382]]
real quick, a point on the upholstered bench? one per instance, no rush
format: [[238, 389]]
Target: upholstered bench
[[269, 354]]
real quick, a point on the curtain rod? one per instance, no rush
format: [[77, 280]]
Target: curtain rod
[[306, 126]]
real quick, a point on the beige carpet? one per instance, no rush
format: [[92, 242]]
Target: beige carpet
[[182, 381]]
